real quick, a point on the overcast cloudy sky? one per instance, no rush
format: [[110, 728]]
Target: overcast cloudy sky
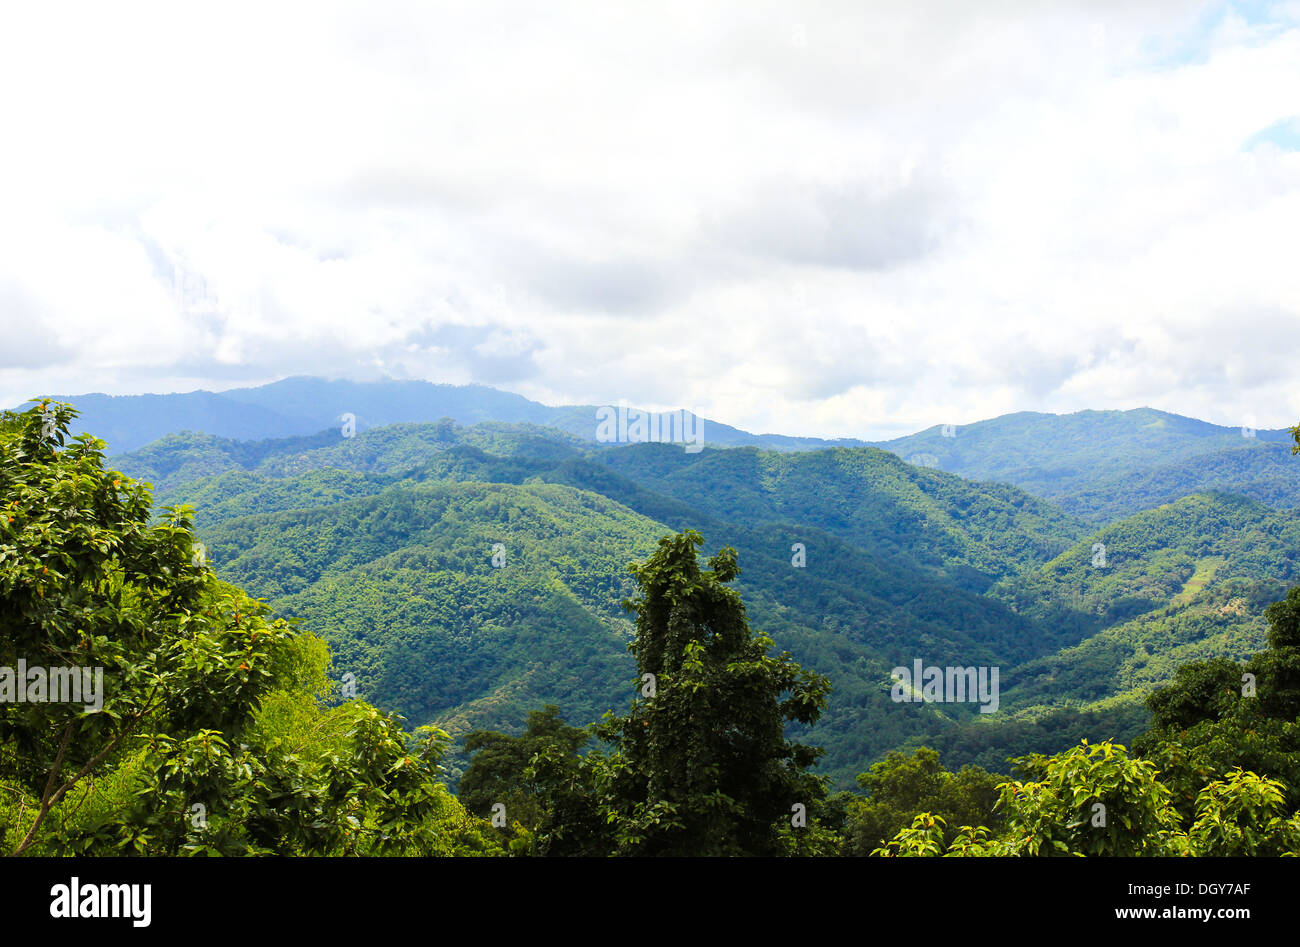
[[835, 219]]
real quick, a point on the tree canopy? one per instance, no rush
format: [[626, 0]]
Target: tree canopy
[[210, 732]]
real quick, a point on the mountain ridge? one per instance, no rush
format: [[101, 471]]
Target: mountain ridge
[[294, 406]]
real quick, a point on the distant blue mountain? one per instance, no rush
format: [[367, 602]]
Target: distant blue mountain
[[305, 405]]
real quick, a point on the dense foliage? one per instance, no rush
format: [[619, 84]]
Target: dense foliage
[[465, 577], [206, 734], [382, 543], [1217, 773], [700, 765]]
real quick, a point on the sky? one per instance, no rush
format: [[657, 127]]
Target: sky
[[827, 219]]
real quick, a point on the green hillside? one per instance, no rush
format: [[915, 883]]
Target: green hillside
[[383, 543], [1183, 582], [973, 532], [403, 585], [1148, 560], [480, 593], [1258, 469], [1101, 465]]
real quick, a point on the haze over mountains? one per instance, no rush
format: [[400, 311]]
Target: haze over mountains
[[464, 550], [305, 405], [1011, 447]]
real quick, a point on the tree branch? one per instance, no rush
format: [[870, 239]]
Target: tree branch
[[48, 802]]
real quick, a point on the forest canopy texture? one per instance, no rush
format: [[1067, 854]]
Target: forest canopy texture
[[148, 707]]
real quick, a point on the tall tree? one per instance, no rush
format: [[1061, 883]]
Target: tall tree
[[701, 764]]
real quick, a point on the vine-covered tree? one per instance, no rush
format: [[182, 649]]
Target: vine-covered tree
[[701, 765]]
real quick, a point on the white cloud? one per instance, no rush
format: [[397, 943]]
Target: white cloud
[[818, 219]]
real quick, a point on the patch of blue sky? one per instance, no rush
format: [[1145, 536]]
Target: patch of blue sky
[[1284, 134], [1195, 43]]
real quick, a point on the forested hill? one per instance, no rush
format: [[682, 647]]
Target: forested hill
[[475, 580], [385, 542], [1182, 582], [1101, 465], [467, 575], [1096, 465]]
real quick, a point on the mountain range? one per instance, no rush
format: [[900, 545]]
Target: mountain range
[[470, 566], [1096, 465], [305, 405]]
